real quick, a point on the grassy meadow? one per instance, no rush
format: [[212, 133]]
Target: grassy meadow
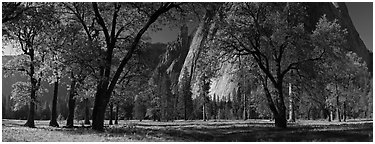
[[192, 131]]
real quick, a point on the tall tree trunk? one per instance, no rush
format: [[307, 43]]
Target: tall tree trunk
[[53, 121], [292, 117], [280, 117], [277, 108], [338, 110], [204, 112], [98, 112], [71, 104], [330, 118], [337, 106], [116, 114], [30, 117], [244, 107], [110, 113], [345, 113], [87, 112]]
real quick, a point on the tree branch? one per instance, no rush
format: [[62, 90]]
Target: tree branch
[[101, 22], [164, 8]]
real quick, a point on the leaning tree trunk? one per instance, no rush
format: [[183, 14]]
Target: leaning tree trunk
[[71, 104], [110, 113], [53, 121], [87, 112]]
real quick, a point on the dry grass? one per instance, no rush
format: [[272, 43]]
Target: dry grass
[[251, 130]]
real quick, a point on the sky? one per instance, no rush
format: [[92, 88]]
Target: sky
[[360, 13]]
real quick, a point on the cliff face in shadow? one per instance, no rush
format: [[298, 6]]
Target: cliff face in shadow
[[340, 12]]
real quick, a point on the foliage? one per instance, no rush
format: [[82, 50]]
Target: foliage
[[273, 34], [20, 94]]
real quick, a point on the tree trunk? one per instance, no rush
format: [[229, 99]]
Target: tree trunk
[[338, 109], [244, 107], [278, 108], [345, 113], [98, 112], [330, 118], [280, 118], [116, 114], [280, 121], [53, 121], [337, 105], [30, 117], [71, 104], [110, 113], [87, 112], [204, 112], [308, 113], [292, 117]]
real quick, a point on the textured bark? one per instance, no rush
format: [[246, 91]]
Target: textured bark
[[71, 104], [53, 121], [100, 105], [34, 82]]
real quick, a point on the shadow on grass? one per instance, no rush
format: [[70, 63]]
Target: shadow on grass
[[223, 132], [346, 132]]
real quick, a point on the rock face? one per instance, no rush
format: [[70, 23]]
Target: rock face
[[173, 59], [224, 85], [340, 12]]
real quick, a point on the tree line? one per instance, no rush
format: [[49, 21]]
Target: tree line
[[283, 69]]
